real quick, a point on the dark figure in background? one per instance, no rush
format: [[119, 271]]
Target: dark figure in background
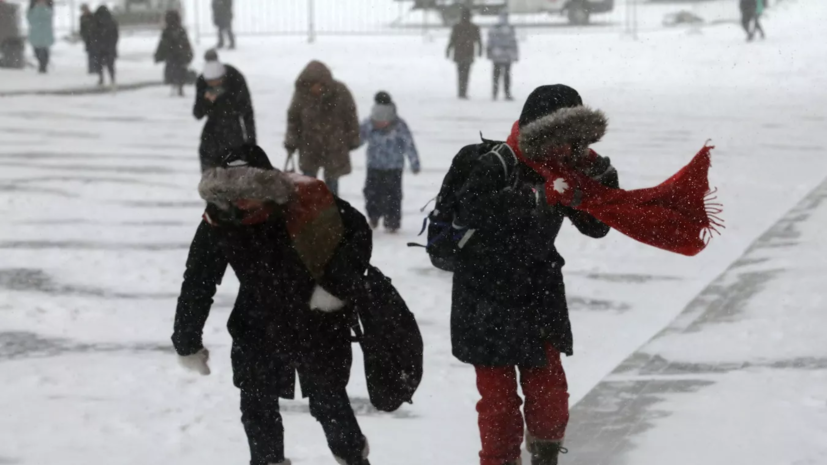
[[322, 125], [509, 309], [287, 317], [175, 50], [222, 96], [222, 16], [105, 35], [466, 43], [41, 31], [389, 143], [86, 24], [751, 11], [502, 51]]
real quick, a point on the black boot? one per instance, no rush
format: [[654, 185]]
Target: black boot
[[545, 452]]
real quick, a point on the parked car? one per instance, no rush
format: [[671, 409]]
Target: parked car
[[578, 11]]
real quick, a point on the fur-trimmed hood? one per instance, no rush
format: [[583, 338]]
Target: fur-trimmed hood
[[223, 186], [580, 126]]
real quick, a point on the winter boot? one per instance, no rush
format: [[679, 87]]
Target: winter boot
[[286, 462], [374, 223], [362, 460], [544, 452]]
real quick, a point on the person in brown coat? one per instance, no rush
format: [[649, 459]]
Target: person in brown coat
[[322, 125]]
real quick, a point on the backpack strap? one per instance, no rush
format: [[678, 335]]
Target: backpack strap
[[506, 157]]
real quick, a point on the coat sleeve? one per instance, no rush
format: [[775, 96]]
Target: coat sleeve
[[364, 132], [486, 195], [350, 118], [206, 265], [603, 171], [161, 53], [351, 260], [293, 136], [244, 106], [202, 107], [451, 42], [409, 146]]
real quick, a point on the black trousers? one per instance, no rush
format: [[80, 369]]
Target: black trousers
[[42, 55], [504, 70], [463, 73], [324, 377], [383, 196], [105, 62], [228, 31]]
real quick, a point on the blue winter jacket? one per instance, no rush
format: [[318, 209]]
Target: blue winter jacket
[[41, 29], [502, 44], [387, 148]]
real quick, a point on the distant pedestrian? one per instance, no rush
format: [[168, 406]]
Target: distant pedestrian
[[322, 125], [389, 143], [175, 50], [41, 31], [502, 51], [751, 11], [465, 42], [86, 24], [222, 96], [222, 15], [105, 35]]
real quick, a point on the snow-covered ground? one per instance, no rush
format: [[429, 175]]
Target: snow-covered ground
[[98, 197]]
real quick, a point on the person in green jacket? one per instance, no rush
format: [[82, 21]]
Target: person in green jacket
[[41, 31]]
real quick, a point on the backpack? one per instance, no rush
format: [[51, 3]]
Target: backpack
[[391, 343], [446, 238]]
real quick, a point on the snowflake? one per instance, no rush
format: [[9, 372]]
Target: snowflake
[[560, 185]]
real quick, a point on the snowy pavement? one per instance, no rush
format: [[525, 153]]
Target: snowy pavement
[[98, 197], [738, 377]]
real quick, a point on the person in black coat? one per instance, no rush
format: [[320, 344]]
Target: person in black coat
[[509, 304], [287, 316], [465, 43], [174, 49], [222, 13], [104, 39], [86, 23], [222, 96]]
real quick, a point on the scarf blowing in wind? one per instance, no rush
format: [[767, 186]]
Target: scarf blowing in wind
[[677, 215]]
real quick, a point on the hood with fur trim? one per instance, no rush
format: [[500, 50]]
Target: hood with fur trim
[[223, 186], [580, 126]]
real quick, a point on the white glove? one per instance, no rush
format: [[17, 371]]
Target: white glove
[[325, 301], [196, 362]]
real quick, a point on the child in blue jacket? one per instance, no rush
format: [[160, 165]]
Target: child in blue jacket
[[389, 142]]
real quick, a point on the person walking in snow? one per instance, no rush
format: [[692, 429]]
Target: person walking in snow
[[41, 31], [509, 309], [86, 24], [502, 51], [322, 125], [288, 316], [222, 96], [175, 50], [465, 43], [222, 14], [389, 143], [751, 11], [105, 36]]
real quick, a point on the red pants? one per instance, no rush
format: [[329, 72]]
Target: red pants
[[501, 423]]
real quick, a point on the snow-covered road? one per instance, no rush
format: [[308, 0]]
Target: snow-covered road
[[98, 200]]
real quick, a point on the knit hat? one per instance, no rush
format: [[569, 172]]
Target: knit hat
[[383, 113], [382, 98], [213, 69], [546, 100]]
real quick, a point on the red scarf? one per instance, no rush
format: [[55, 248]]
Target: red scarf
[[677, 215]]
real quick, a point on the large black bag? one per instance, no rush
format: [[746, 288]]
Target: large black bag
[[391, 343], [446, 238]]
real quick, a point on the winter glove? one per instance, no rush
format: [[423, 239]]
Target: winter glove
[[416, 170], [196, 362], [325, 301]]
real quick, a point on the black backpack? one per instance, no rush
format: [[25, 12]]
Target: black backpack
[[446, 238], [391, 343]]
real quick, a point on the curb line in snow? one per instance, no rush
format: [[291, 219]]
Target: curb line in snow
[[605, 422], [83, 90]]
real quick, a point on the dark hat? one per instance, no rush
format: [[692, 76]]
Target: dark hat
[[247, 155], [383, 98], [211, 55], [546, 100]]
